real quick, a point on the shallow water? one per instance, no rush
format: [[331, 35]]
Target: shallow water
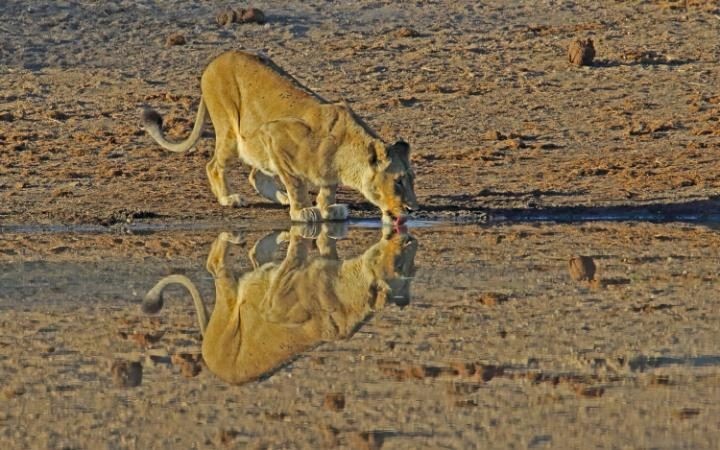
[[492, 318]]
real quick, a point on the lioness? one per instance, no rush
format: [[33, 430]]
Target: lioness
[[280, 128], [267, 316]]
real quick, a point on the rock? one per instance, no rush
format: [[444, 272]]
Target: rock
[[493, 135], [403, 32], [243, 15], [582, 268], [126, 373], [175, 39], [334, 401], [491, 298], [367, 440], [251, 15], [226, 17], [581, 53]]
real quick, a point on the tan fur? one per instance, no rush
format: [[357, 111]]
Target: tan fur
[[278, 310], [281, 129]]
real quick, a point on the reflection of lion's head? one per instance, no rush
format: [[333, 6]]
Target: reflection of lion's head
[[280, 309]]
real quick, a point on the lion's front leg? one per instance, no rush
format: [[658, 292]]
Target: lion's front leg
[[299, 199], [329, 210]]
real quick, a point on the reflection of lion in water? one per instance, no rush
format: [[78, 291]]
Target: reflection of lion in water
[[268, 315], [280, 128]]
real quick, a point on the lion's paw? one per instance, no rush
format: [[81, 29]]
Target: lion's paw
[[337, 211], [282, 198], [231, 200], [312, 214]]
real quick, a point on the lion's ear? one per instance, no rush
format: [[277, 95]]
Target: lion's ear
[[402, 149], [377, 154]]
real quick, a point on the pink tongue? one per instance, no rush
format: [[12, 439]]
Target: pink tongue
[[400, 220]]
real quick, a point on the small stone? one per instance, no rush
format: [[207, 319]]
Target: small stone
[[334, 401], [582, 268], [175, 39], [367, 440], [491, 298], [226, 17], [126, 373], [581, 53], [493, 135], [251, 15], [13, 391], [403, 32]]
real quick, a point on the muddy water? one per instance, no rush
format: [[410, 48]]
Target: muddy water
[[482, 336]]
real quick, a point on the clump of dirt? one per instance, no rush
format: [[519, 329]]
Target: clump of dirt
[[367, 440], [404, 32], [334, 401], [190, 364], [581, 53], [582, 268], [492, 298], [126, 373], [175, 39], [242, 15]]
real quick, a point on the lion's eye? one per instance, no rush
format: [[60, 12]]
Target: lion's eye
[[399, 184]]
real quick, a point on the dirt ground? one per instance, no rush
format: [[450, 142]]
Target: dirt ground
[[501, 346]]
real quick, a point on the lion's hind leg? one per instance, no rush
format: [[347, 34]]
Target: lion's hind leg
[[266, 186], [224, 151]]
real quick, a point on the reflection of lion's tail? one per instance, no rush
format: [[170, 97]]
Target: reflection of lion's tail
[[152, 121], [153, 301]]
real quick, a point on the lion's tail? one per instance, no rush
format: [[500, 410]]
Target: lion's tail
[[152, 122], [153, 301]]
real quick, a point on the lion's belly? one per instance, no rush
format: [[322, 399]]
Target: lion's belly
[[255, 157]]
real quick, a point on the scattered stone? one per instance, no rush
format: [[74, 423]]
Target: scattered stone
[[367, 440], [58, 115], [582, 268], [190, 364], [687, 413], [334, 401], [228, 437], [126, 373], [243, 15], [251, 15], [226, 17], [13, 391], [175, 39], [492, 298], [329, 435], [494, 135], [581, 53], [589, 391], [404, 32], [145, 339]]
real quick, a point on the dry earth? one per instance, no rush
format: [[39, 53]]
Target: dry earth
[[499, 347]]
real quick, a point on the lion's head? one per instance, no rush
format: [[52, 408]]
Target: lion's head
[[390, 182]]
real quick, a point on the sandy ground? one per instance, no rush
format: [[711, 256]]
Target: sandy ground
[[499, 347]]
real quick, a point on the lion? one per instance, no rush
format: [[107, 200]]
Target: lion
[[283, 130], [270, 314]]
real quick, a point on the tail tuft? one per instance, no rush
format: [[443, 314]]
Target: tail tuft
[[151, 118], [153, 302]]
